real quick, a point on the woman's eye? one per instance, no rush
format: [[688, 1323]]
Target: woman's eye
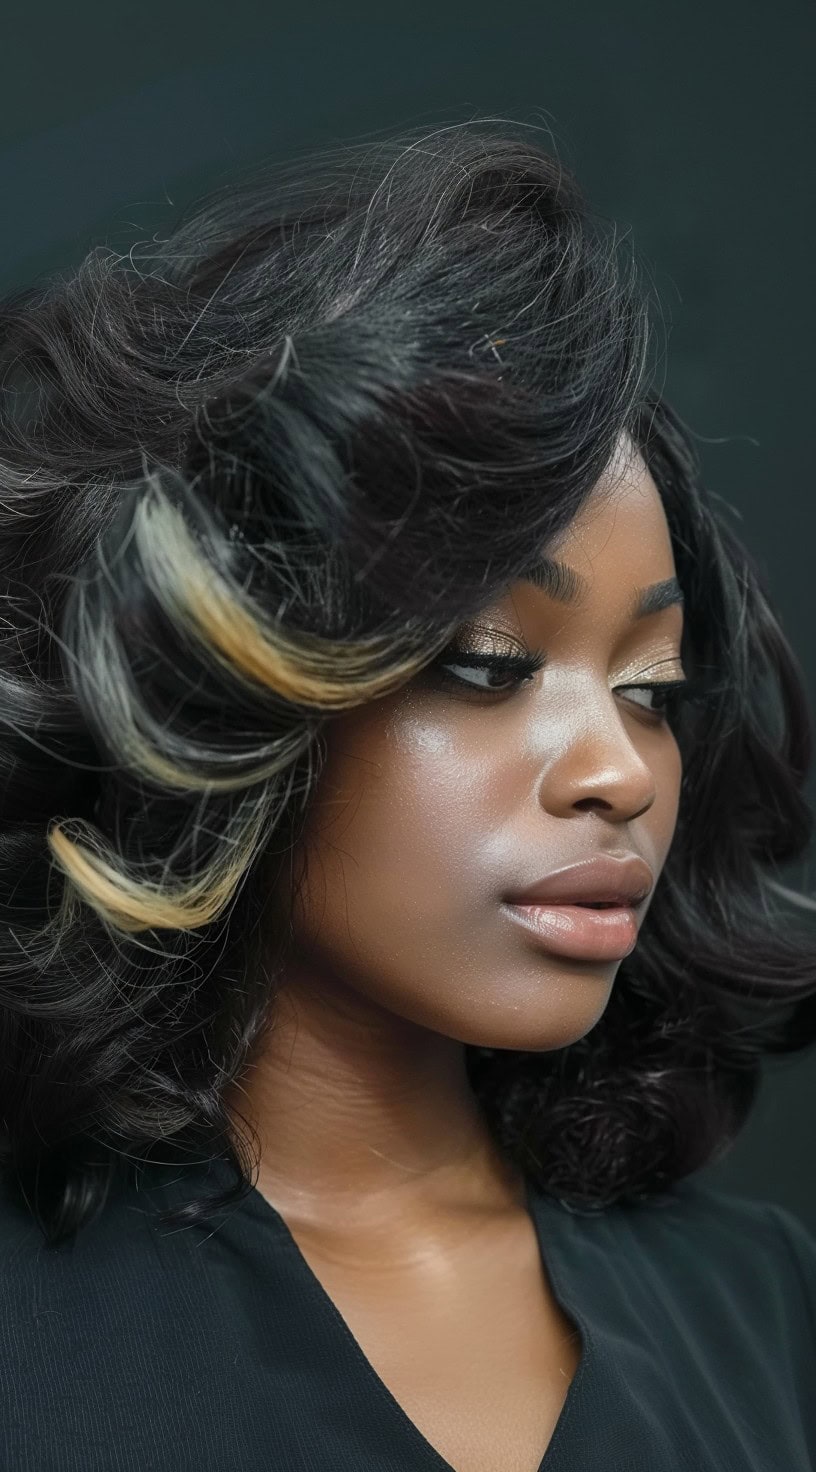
[[489, 673], [499, 674], [666, 695]]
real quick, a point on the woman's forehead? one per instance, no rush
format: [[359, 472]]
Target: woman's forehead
[[620, 532]]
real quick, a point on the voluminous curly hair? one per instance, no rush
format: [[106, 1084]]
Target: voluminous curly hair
[[256, 474]]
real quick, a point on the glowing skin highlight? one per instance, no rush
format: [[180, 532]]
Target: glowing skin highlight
[[433, 804]]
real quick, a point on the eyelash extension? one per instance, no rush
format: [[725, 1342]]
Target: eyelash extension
[[521, 667]]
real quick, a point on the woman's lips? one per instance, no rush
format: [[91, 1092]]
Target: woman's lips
[[577, 931]]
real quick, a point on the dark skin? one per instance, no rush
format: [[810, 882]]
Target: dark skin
[[433, 804]]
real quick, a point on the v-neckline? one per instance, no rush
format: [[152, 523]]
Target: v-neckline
[[541, 1211]]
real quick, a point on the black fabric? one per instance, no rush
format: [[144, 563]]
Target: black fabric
[[139, 1348]]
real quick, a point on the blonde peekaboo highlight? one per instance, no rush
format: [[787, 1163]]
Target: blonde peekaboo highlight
[[329, 675]]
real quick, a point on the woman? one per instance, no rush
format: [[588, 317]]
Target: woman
[[399, 747]]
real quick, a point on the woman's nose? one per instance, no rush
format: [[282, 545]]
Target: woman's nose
[[600, 765]]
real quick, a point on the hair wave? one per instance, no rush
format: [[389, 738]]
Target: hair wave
[[255, 474]]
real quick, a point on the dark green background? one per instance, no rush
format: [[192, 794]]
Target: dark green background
[[693, 124]]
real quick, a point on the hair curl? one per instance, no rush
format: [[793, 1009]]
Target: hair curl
[[257, 473]]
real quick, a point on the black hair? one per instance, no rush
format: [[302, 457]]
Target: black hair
[[258, 472]]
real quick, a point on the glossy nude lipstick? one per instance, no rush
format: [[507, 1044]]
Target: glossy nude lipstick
[[580, 932], [587, 911]]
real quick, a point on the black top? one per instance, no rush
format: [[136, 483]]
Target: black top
[[139, 1348]]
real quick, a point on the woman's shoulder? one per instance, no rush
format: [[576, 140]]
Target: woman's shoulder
[[769, 1242], [704, 1249], [725, 1220], [122, 1231], [731, 1224]]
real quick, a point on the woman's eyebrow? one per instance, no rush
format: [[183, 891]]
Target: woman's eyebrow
[[568, 586]]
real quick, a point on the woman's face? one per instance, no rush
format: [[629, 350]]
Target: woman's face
[[439, 800]]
